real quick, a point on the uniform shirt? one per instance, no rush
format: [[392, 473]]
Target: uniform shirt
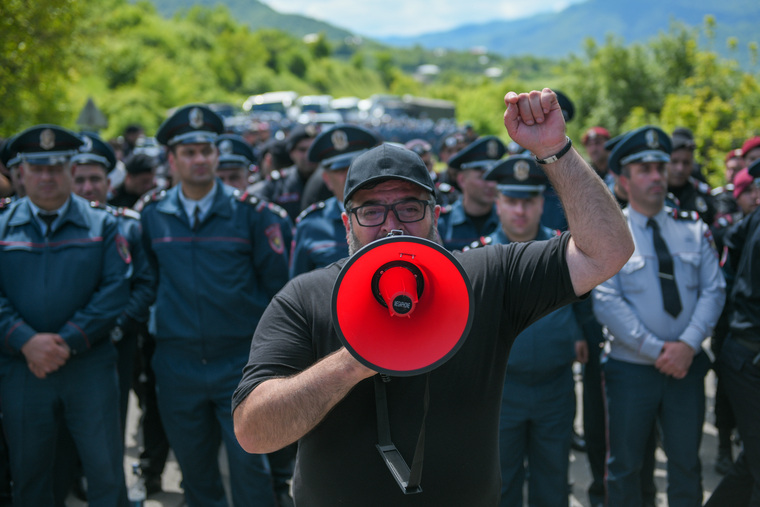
[[320, 237], [630, 304], [546, 348], [72, 282], [695, 196], [337, 462], [743, 242], [285, 191], [457, 230], [215, 281]]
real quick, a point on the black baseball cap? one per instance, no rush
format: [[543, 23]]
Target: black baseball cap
[[386, 162]]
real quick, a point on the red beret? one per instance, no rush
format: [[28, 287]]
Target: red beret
[[737, 153], [593, 132], [750, 144], [742, 181]]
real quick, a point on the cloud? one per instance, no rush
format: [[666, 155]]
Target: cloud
[[412, 17]]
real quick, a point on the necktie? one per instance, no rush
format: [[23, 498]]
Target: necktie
[[196, 218], [48, 218], [670, 298]]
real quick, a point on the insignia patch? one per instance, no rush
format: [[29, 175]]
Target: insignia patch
[[47, 139], [274, 236], [311, 130], [339, 140], [196, 118], [492, 149], [653, 140], [123, 248], [522, 170], [225, 147]]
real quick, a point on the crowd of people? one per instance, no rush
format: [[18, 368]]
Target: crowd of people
[[195, 267]]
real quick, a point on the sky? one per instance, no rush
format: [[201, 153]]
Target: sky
[[382, 18]]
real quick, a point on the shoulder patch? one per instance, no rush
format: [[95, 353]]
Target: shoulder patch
[[309, 210]]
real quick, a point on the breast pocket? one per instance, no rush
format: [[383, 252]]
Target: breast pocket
[[633, 275], [687, 266]]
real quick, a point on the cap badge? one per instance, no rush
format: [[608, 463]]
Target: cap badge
[[339, 140], [196, 118], [87, 146], [47, 139], [311, 130], [522, 170], [653, 140], [225, 147], [492, 149]]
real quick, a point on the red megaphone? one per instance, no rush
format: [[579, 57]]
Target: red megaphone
[[402, 305]]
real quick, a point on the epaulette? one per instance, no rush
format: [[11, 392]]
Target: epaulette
[[702, 186], [446, 209], [310, 209], [277, 209], [557, 232], [444, 187], [127, 212], [99, 205], [682, 215], [152, 196], [479, 243], [722, 190]]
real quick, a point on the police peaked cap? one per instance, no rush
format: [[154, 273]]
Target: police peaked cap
[[566, 105], [518, 176], [479, 154], [191, 124], [234, 151], [645, 144], [299, 133], [337, 147], [45, 145], [95, 151]]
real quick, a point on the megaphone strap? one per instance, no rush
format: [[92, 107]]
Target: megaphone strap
[[408, 480]]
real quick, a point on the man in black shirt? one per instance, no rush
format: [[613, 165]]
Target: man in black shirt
[[301, 384]]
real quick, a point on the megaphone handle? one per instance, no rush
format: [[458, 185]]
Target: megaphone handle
[[408, 480]]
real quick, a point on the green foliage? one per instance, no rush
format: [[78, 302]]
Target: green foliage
[[137, 65]]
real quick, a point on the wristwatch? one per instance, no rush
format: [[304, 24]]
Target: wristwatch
[[554, 158]]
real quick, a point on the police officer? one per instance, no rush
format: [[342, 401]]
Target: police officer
[[220, 256], [692, 194], [320, 237], [473, 215], [139, 179], [63, 281], [287, 191], [235, 161], [657, 311], [538, 401], [739, 361]]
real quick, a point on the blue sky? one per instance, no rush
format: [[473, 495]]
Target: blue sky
[[379, 18]]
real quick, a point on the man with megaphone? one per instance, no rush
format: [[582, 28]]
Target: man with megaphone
[[388, 308]]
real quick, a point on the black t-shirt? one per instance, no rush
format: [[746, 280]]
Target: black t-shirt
[[338, 464]]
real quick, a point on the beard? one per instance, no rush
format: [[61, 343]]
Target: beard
[[354, 245]]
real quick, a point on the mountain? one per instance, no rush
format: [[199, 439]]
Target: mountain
[[544, 35], [258, 15], [558, 34]]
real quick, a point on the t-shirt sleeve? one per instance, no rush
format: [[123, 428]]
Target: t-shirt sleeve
[[282, 342], [532, 279]]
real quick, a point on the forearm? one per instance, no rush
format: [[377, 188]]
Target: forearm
[[600, 233], [280, 411]]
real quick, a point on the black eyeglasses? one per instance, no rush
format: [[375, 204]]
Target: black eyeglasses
[[372, 215]]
